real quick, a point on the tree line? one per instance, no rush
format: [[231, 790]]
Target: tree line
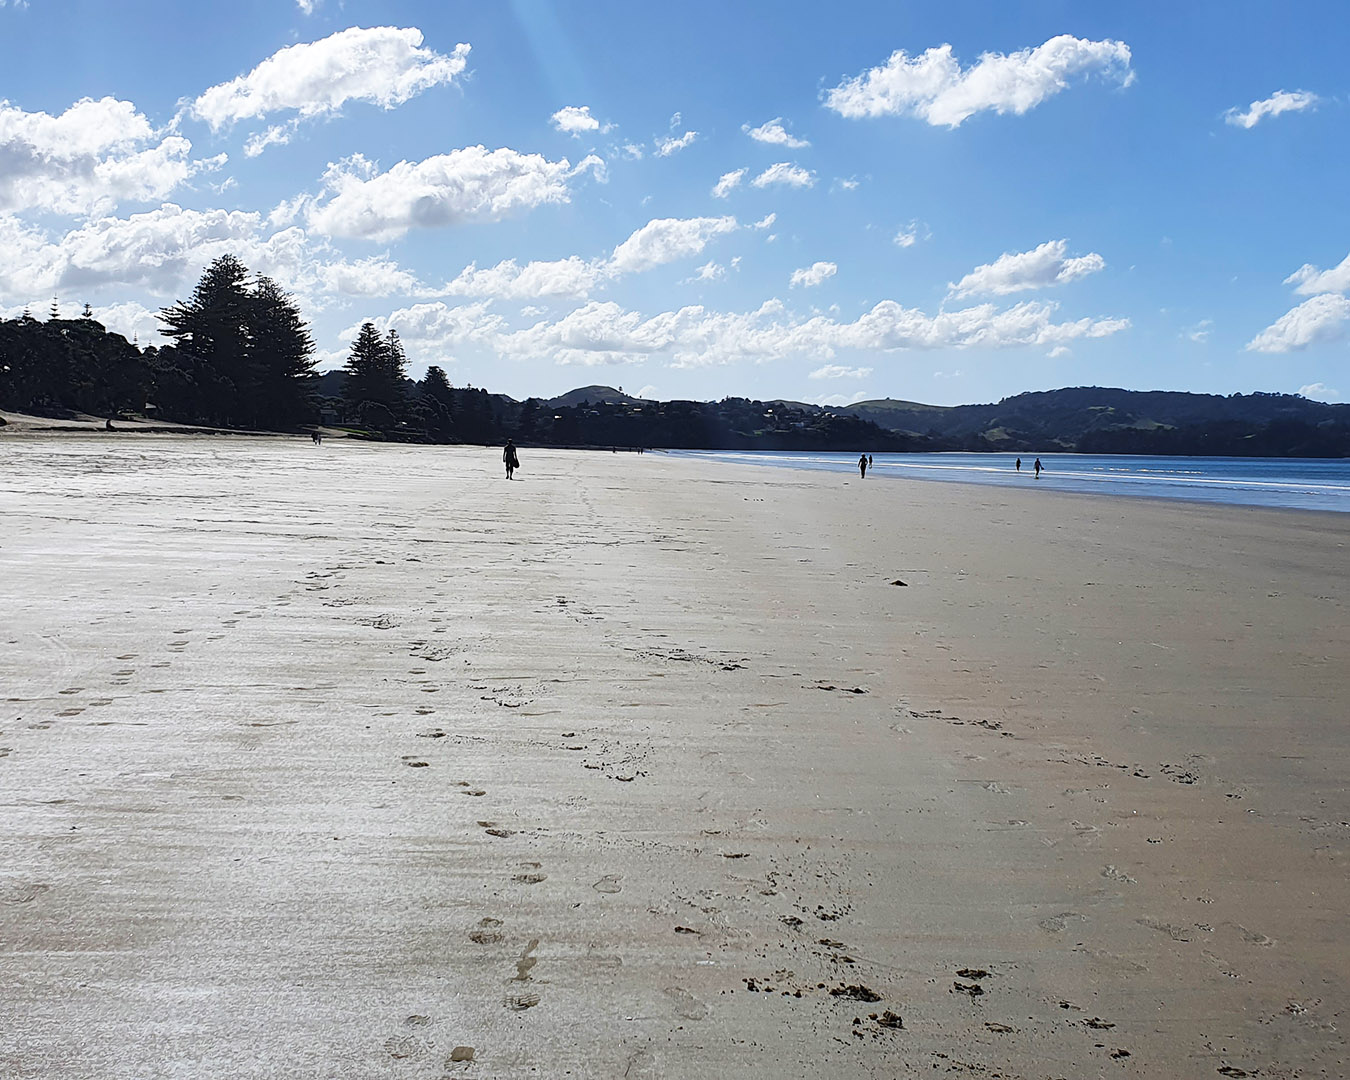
[[241, 356]]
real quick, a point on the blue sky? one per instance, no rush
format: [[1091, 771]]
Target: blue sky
[[945, 202]]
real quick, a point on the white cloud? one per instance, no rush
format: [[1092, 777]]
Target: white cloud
[[766, 222], [1319, 391], [307, 6], [606, 333], [772, 132], [1199, 333], [729, 181], [709, 271], [664, 240], [1319, 320], [382, 65], [1281, 101], [130, 319], [276, 135], [908, 235], [840, 400], [631, 151], [470, 184], [377, 275], [163, 251], [934, 88], [1039, 268], [91, 157], [660, 241], [813, 275], [783, 172], [428, 329], [1310, 280], [157, 250], [669, 144], [839, 371], [572, 277], [845, 183], [574, 119]]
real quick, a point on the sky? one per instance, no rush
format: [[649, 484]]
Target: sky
[[947, 202]]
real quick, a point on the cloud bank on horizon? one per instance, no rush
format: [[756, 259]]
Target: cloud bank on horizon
[[514, 205]]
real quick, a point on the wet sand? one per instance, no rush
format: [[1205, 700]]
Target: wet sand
[[358, 761]]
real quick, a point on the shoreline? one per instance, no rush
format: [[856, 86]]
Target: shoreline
[[573, 770]]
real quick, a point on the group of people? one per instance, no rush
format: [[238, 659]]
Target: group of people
[[865, 463]]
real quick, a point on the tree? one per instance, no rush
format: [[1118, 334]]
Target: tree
[[244, 354], [212, 332], [282, 355], [375, 371]]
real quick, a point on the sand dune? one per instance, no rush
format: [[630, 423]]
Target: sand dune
[[358, 761]]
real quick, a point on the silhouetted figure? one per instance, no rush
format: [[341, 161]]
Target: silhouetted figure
[[869, 461], [1037, 467], [107, 425], [1018, 465], [317, 436], [862, 466], [510, 458]]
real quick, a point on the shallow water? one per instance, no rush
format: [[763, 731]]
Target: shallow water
[[1293, 483]]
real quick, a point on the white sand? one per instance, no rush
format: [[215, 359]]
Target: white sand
[[1101, 754]]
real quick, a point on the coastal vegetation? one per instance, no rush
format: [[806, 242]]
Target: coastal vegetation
[[240, 356]]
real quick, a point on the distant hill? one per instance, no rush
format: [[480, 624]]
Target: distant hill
[[1092, 419], [591, 395]]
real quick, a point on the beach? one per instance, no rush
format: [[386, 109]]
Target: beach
[[360, 761]]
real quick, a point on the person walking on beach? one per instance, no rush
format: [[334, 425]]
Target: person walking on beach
[[1018, 465], [869, 461], [1037, 467], [509, 457], [862, 466]]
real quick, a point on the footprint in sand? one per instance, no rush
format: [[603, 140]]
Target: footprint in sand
[[487, 932], [685, 1004], [529, 877], [520, 1002], [608, 884], [404, 1047]]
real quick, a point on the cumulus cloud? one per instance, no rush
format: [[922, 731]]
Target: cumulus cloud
[[813, 275], [934, 88], [669, 144], [1038, 268], [91, 157], [571, 277], [664, 240], [1319, 320], [467, 185], [1310, 280], [164, 251], [1319, 391], [382, 65], [306, 6], [727, 183], [839, 371], [1282, 101], [603, 332], [574, 119], [660, 241], [709, 271], [766, 222], [427, 329], [773, 132], [784, 172]]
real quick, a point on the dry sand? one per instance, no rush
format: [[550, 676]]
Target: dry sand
[[357, 761]]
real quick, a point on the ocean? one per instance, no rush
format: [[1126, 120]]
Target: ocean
[[1292, 483]]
